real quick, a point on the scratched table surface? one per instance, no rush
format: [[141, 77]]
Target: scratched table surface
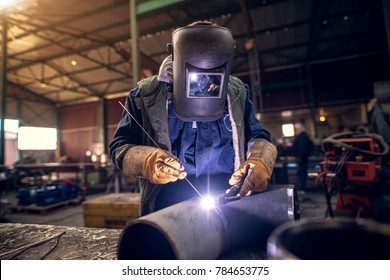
[[34, 242]]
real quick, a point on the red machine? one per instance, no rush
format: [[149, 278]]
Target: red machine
[[356, 159], [352, 168]]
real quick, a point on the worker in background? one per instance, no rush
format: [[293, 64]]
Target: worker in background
[[302, 148], [280, 168], [379, 116], [202, 123]]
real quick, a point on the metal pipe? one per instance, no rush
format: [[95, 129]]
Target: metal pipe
[[188, 231], [330, 239]]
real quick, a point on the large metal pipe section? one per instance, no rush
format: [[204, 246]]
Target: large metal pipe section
[[330, 239], [188, 231]]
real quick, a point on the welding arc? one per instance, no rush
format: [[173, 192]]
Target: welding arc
[[155, 143]]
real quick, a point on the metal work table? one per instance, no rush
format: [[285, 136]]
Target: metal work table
[[74, 243], [258, 214], [77, 243]]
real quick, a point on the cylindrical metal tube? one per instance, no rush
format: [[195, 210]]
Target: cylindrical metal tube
[[188, 231], [330, 239]]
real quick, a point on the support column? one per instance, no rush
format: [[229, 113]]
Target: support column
[[58, 151], [386, 15], [254, 68], [364, 116], [19, 116], [3, 87], [251, 45], [134, 43], [311, 100], [101, 124]]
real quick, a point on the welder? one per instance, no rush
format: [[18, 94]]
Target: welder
[[193, 121]]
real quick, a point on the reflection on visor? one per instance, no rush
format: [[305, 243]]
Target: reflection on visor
[[204, 84]]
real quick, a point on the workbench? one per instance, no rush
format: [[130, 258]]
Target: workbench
[[76, 243], [80, 172]]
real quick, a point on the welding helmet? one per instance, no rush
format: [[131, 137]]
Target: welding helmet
[[202, 57]]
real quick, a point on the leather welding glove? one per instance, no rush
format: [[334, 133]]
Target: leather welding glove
[[154, 164], [165, 73], [257, 168]]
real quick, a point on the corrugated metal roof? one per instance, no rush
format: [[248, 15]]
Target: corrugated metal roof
[[70, 50]]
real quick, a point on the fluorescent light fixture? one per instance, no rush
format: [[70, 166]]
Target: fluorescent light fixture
[[286, 114], [288, 130], [37, 138]]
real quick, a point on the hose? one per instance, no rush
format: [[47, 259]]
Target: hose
[[378, 138]]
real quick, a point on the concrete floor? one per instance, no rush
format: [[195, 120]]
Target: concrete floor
[[67, 215]]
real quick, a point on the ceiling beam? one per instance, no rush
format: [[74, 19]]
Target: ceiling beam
[[71, 77], [154, 5], [232, 10], [326, 40], [76, 72], [37, 97], [310, 21], [316, 26], [73, 18], [83, 36], [38, 81], [142, 9], [87, 47], [302, 63], [69, 50]]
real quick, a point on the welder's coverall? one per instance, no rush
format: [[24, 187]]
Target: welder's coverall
[[210, 151]]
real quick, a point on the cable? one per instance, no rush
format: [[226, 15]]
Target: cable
[[349, 150], [26, 247], [378, 138], [52, 249], [155, 143], [319, 176]]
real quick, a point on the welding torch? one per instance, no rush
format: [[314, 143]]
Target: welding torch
[[233, 193]]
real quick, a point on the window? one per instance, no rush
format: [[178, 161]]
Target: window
[[11, 127], [288, 130], [37, 138]]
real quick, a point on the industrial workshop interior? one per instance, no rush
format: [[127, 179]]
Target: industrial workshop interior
[[321, 68]]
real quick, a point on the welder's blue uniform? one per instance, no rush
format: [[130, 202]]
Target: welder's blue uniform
[[206, 149]]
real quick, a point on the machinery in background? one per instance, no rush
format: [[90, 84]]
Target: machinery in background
[[352, 169], [48, 194]]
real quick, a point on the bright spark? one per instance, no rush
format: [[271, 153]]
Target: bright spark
[[208, 202]]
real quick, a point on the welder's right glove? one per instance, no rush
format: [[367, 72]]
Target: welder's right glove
[[154, 164]]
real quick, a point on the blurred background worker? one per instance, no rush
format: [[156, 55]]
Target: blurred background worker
[[302, 148], [210, 137]]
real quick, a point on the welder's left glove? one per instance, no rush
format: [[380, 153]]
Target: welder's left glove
[[165, 73], [257, 168]]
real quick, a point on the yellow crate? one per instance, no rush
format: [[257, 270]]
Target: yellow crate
[[112, 210]]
